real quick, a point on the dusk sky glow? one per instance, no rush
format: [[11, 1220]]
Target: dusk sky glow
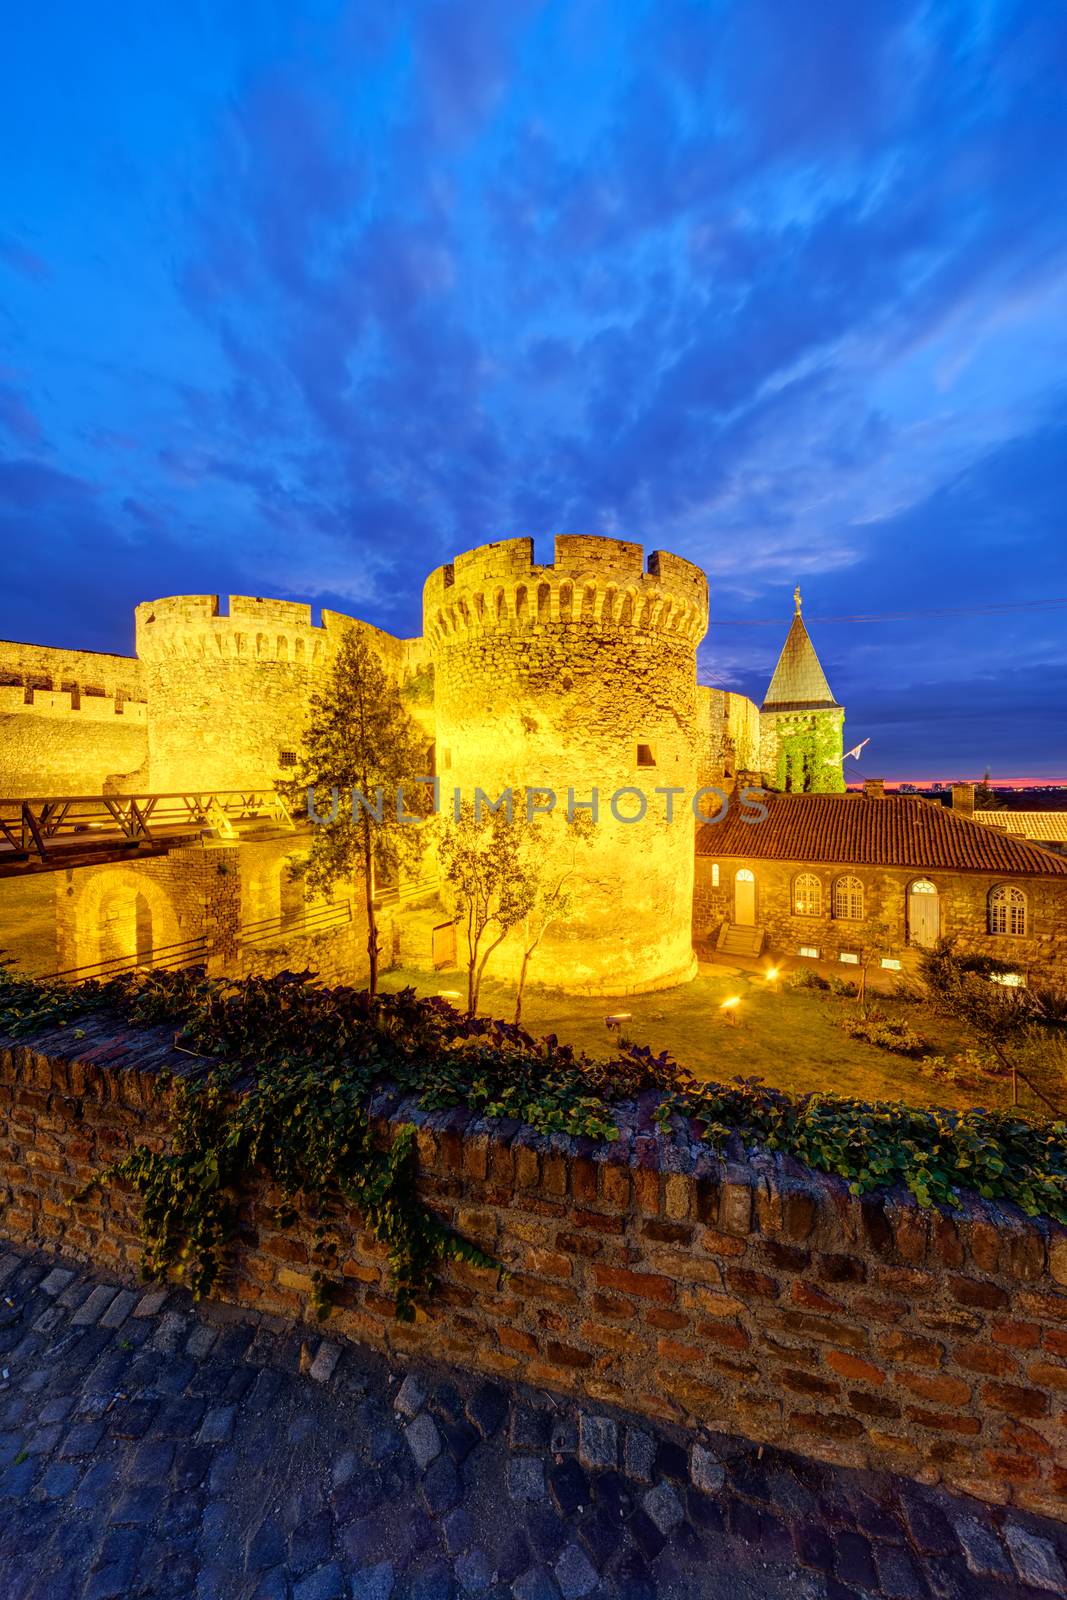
[[303, 299]]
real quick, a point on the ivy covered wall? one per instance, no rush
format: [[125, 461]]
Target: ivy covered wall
[[801, 751]]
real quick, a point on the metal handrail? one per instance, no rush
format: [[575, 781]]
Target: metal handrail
[[167, 955], [316, 919]]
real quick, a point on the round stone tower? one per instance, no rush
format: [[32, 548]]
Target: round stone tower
[[573, 677]]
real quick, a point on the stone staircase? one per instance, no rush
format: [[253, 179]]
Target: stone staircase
[[737, 939]]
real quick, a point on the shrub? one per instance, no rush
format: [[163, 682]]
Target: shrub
[[805, 978], [887, 1035]]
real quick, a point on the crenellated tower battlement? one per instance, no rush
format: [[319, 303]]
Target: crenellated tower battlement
[[592, 582], [195, 626]]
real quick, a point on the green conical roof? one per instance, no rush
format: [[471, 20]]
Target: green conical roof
[[799, 683]]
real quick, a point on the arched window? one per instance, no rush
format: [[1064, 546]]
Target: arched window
[[807, 895], [1007, 910], [848, 899]]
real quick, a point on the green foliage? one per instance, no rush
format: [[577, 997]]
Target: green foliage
[[360, 739], [808, 978], [490, 869], [882, 1031], [809, 753], [933, 1152], [288, 1069]]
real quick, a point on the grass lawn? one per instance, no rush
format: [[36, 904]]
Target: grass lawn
[[788, 1037]]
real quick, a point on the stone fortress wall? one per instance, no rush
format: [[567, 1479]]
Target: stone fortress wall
[[229, 688], [729, 735], [580, 675], [71, 721], [577, 674]]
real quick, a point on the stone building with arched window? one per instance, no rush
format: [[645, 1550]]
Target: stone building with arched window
[[877, 877]]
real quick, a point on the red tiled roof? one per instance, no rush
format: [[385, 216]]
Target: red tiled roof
[[893, 831]]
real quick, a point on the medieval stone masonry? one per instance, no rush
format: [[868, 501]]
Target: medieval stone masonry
[[646, 1274]]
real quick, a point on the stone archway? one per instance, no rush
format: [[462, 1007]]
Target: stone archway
[[120, 914]]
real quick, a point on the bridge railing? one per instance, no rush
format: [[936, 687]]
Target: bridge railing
[[44, 825]]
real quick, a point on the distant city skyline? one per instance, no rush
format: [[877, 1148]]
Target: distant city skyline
[[301, 301]]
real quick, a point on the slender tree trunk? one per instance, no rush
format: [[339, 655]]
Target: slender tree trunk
[[372, 918], [474, 981], [526, 955], [481, 969]]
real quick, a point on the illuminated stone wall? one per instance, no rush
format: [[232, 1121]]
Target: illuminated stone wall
[[729, 735], [572, 676], [71, 721], [228, 688]]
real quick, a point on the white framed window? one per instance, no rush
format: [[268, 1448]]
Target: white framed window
[[1007, 910], [851, 958], [807, 895], [809, 950], [848, 899], [891, 962], [714, 874]]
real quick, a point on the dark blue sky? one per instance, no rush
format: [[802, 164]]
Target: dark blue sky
[[302, 299]]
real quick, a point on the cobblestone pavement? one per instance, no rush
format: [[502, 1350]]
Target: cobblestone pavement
[[149, 1448]]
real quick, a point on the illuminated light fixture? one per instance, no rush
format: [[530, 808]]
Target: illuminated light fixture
[[615, 1021], [449, 994], [771, 974], [729, 1008]]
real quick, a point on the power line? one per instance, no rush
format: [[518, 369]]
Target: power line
[[894, 616]]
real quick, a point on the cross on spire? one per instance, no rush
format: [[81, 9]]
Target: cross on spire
[[796, 598]]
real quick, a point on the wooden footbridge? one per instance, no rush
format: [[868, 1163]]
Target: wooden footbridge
[[43, 834]]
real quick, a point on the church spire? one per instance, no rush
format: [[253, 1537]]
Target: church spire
[[799, 682]]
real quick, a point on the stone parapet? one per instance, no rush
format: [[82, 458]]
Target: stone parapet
[[592, 581], [748, 1295]]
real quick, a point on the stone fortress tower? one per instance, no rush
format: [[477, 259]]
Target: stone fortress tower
[[801, 724], [575, 675], [229, 689], [578, 676]]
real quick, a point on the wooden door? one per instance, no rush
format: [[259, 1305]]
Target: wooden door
[[924, 914], [745, 898]]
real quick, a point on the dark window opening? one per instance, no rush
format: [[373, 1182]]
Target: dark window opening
[[645, 758], [287, 758]]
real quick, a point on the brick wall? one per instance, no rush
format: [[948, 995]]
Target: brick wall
[[962, 901], [751, 1296]]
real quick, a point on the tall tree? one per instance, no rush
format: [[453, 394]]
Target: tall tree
[[361, 756]]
